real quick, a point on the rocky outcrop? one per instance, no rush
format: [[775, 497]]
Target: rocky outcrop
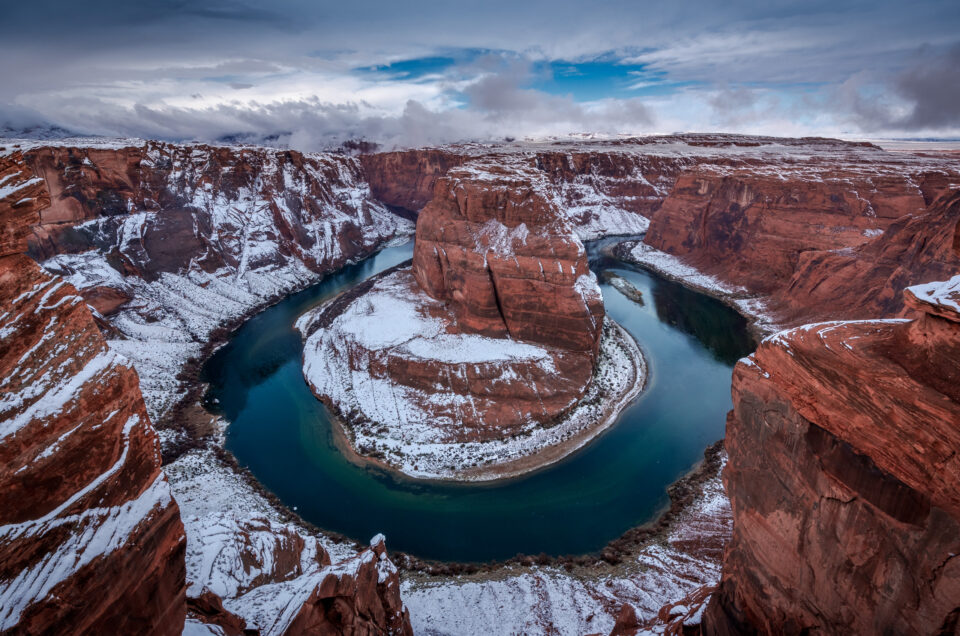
[[90, 536], [869, 280], [280, 581], [22, 195], [844, 478], [419, 393], [359, 596], [235, 208], [613, 191], [495, 248]]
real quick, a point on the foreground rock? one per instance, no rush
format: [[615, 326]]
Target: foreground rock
[[90, 536], [844, 477]]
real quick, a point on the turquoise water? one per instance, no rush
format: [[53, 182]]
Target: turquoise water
[[282, 433]]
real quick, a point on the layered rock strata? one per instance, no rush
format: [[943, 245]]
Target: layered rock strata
[[169, 297], [823, 237], [90, 537], [167, 242], [493, 246], [844, 477]]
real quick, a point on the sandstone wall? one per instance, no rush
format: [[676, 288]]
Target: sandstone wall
[[844, 480], [493, 246]]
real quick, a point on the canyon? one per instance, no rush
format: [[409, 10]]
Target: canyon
[[124, 262]]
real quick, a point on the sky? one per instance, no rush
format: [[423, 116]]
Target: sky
[[311, 74]]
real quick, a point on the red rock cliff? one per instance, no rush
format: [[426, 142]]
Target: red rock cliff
[[869, 280], [839, 234], [500, 253], [91, 540], [405, 179], [90, 537], [844, 478]]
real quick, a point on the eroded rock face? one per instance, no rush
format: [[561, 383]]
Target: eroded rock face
[[834, 235], [495, 248], [167, 242], [405, 180], [844, 478], [203, 207], [360, 596], [869, 280], [90, 536], [734, 220]]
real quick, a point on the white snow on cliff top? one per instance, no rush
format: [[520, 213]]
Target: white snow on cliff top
[[391, 316], [939, 293]]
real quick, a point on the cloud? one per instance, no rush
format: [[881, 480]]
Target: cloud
[[497, 106], [933, 87], [428, 72]]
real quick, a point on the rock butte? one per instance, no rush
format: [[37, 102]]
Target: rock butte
[[843, 500], [494, 330]]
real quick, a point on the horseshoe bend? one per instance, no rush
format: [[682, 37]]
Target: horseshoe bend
[[226, 367]]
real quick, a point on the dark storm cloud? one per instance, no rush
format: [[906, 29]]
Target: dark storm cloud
[[442, 70], [933, 85], [924, 96]]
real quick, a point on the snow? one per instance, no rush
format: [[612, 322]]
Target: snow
[[944, 294], [193, 627], [57, 397], [9, 190], [95, 532], [550, 600], [672, 267]]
